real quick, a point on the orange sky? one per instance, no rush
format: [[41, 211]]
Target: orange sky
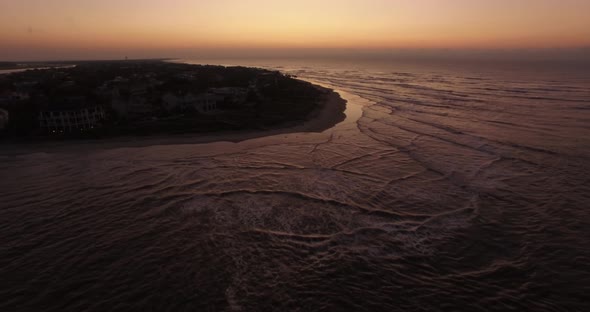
[[71, 28]]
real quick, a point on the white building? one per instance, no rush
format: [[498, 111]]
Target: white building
[[71, 120], [131, 107], [205, 102], [14, 96], [134, 103]]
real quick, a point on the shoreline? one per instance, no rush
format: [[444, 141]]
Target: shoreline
[[327, 115]]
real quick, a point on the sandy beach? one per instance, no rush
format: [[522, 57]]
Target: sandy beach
[[329, 113]]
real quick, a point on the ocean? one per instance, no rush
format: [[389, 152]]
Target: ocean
[[449, 187]]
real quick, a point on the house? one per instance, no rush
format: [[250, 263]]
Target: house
[[131, 100], [205, 102], [173, 101], [20, 96], [133, 106], [25, 84]]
